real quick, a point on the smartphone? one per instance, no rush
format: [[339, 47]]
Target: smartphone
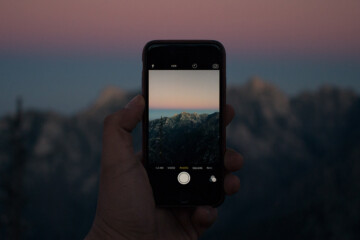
[[183, 125]]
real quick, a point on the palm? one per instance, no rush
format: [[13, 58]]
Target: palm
[[126, 207], [140, 215]]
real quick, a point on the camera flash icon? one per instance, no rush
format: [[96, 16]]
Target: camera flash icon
[[212, 178]]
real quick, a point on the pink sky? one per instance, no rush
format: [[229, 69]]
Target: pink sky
[[326, 27]]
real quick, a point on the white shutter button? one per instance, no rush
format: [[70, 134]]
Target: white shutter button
[[183, 178]]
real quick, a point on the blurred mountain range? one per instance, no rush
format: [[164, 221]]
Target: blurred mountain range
[[301, 178]]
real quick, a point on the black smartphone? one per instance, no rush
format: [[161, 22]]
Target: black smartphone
[[183, 126]]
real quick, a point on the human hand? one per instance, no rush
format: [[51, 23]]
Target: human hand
[[126, 207]]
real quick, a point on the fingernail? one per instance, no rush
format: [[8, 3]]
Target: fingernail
[[133, 102]]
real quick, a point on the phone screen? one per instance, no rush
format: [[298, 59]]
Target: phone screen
[[184, 120], [184, 155]]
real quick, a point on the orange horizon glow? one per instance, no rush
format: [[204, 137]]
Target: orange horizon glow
[[188, 108], [291, 27]]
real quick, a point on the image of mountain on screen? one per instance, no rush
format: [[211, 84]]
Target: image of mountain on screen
[[184, 139]]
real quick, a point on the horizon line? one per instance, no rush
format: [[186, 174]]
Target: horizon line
[[152, 108]]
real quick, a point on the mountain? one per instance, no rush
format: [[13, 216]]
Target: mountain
[[301, 178], [62, 166], [194, 136], [301, 173]]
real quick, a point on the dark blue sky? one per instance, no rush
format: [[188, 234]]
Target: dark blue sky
[[68, 84]]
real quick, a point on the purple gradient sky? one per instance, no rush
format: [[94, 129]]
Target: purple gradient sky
[[326, 28], [59, 55]]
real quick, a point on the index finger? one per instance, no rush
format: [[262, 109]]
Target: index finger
[[229, 114]]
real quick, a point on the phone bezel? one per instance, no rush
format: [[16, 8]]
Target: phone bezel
[[145, 87]]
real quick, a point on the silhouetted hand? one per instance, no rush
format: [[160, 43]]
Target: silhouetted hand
[[126, 208]]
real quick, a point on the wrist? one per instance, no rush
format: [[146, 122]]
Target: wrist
[[94, 235], [101, 230]]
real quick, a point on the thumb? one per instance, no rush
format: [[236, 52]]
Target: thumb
[[117, 139]]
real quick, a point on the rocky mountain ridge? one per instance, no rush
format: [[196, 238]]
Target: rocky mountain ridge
[[194, 136]]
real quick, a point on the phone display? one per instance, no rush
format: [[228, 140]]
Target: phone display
[[183, 84]]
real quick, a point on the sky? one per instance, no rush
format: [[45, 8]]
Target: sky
[[58, 55], [184, 89]]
